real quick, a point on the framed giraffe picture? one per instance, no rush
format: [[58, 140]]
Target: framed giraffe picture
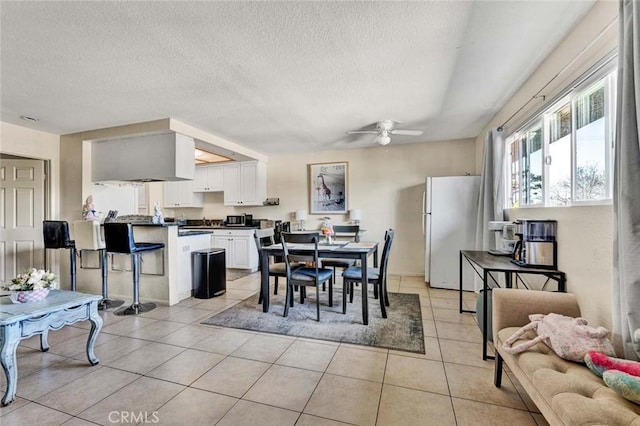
[[328, 188]]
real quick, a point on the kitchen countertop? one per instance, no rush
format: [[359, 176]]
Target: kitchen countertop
[[218, 227], [151, 224], [192, 232], [187, 231]]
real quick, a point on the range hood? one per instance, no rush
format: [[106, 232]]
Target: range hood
[[149, 158]]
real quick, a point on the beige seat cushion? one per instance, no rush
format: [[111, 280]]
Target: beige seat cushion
[[575, 394]]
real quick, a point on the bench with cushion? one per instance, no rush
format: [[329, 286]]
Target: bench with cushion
[[565, 392]]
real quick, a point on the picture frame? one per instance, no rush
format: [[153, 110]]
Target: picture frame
[[328, 188]]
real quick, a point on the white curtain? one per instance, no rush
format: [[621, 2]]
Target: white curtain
[[491, 199], [626, 183]]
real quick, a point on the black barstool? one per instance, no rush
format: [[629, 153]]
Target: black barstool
[[119, 239], [56, 236], [87, 236]]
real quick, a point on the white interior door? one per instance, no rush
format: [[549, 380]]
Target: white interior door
[[21, 216]]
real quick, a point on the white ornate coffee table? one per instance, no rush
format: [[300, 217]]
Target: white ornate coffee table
[[20, 321]]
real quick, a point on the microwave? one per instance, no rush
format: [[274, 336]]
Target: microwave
[[239, 220]]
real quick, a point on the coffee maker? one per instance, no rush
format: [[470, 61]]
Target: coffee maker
[[536, 246], [505, 233]]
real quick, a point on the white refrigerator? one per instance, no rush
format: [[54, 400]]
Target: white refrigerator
[[450, 212]]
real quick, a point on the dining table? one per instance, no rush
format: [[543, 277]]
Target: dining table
[[336, 250]]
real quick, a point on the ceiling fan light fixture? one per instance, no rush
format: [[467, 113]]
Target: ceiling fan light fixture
[[383, 139]]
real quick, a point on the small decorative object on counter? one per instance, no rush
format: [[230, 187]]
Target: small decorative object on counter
[[327, 229], [88, 210], [31, 286], [157, 215]]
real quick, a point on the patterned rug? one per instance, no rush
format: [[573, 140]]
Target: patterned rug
[[401, 330]]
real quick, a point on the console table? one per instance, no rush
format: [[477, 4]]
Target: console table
[[20, 321], [485, 264]]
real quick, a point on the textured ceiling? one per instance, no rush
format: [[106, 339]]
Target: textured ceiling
[[274, 76]]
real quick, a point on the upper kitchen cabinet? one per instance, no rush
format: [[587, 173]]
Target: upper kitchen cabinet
[[245, 183], [181, 194], [209, 178]]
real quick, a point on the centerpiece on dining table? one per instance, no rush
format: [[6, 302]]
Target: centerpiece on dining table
[[31, 286], [326, 229]]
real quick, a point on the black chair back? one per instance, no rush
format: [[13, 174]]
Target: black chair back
[[348, 229], [118, 238], [263, 237], [388, 239], [56, 234], [293, 256]]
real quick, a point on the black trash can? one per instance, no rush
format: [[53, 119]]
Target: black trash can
[[209, 273]]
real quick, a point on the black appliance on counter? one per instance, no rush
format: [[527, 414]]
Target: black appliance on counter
[[239, 220]]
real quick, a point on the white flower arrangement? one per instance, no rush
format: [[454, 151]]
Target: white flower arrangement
[[33, 279]]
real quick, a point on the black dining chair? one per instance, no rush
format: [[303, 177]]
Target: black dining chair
[[56, 236], [265, 237], [341, 263], [312, 275], [375, 276], [119, 240]]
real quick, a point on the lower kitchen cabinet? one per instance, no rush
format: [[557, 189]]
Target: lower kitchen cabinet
[[240, 248]]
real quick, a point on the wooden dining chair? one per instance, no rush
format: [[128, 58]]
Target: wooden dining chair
[[265, 237], [306, 276], [341, 263], [375, 276]]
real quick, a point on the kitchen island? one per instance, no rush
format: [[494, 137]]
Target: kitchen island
[[165, 274]]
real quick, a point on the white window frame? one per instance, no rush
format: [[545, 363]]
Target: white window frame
[[570, 95]]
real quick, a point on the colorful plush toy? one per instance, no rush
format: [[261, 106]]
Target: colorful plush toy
[[621, 375]]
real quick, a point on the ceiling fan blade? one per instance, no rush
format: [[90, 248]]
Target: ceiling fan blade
[[406, 132], [373, 132]]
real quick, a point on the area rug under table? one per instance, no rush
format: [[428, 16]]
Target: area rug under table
[[401, 330]]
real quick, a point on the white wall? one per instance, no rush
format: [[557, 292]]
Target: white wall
[[585, 234], [386, 183]]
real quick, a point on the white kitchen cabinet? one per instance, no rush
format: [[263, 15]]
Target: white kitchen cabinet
[[181, 194], [209, 178], [240, 248], [245, 183]]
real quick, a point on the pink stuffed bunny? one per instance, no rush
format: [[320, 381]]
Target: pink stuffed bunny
[[570, 338]]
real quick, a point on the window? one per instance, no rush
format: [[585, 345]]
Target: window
[[563, 156]]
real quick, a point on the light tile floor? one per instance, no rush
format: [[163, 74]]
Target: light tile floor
[[164, 367]]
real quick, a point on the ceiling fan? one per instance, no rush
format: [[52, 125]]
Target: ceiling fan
[[384, 130]]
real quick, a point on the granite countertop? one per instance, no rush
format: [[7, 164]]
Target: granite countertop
[[218, 227], [192, 232], [157, 224], [151, 224]]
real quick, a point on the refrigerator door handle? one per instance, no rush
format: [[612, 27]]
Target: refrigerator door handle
[[424, 211]]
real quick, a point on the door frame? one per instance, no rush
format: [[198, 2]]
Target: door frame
[[46, 193]]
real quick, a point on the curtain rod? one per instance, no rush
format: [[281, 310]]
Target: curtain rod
[[559, 73]]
